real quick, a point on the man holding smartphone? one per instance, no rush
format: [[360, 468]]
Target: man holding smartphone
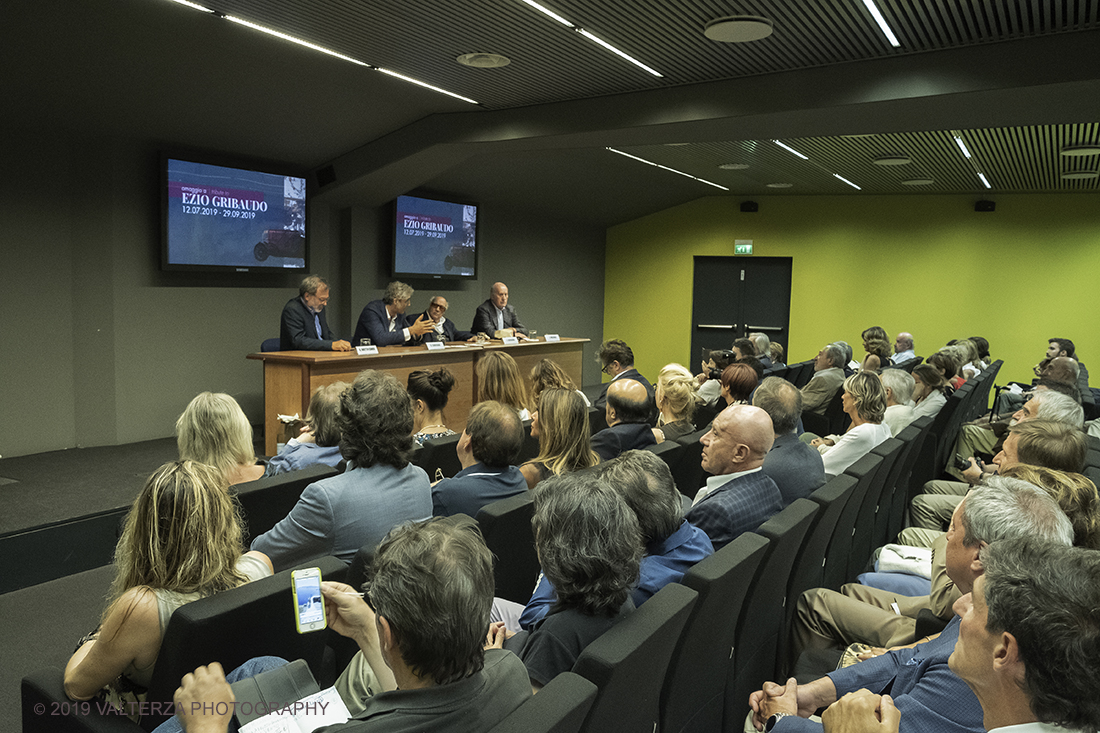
[[423, 635]]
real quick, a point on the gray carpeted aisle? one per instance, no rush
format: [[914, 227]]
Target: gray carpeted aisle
[[40, 628]]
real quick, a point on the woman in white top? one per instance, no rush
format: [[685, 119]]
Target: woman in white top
[[182, 540], [864, 401], [929, 390]]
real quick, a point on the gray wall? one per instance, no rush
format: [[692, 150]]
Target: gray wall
[[99, 347]]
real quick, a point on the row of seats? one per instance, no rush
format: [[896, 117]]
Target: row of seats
[[704, 645]]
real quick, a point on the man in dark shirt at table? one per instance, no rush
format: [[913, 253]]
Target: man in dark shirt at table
[[303, 325]]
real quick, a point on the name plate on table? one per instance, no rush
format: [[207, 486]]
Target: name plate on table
[[511, 340], [366, 350], [435, 345], [552, 337]]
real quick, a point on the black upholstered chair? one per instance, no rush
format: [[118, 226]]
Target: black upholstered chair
[[560, 707], [506, 526], [692, 699], [438, 453], [762, 621], [628, 662], [254, 620], [843, 550]]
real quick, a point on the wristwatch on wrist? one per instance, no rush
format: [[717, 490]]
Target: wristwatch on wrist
[[773, 720]]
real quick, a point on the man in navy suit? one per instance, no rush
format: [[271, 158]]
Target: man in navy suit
[[384, 321], [443, 329], [496, 315], [627, 414], [303, 325]]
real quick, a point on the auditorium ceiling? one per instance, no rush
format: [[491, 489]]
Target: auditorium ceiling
[[978, 96]]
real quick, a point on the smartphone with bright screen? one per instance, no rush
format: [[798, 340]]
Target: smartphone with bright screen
[[309, 605]]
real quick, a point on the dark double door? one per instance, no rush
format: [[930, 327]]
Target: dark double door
[[732, 296]]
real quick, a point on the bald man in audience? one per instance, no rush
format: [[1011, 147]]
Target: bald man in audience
[[739, 496], [903, 348], [627, 413]]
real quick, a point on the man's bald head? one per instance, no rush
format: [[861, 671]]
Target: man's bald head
[[1062, 369], [739, 439], [627, 402], [499, 295]]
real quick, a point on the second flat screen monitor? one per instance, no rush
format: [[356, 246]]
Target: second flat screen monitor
[[434, 238]]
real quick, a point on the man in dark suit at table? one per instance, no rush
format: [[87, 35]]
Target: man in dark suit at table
[[384, 321], [303, 325], [443, 329], [496, 315]]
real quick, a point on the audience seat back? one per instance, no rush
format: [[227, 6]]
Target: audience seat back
[[629, 661], [914, 435], [762, 621], [506, 526], [692, 696], [560, 707], [840, 547], [689, 474], [438, 453]]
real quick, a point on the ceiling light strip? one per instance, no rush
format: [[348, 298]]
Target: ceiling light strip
[[196, 6], [874, 11], [292, 39], [599, 41], [617, 52], [409, 79], [665, 167], [551, 13], [789, 148], [848, 182], [970, 158], [322, 49]]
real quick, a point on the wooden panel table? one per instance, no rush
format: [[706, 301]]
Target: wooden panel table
[[290, 377]]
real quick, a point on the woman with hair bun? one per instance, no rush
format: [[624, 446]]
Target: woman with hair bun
[[429, 392]]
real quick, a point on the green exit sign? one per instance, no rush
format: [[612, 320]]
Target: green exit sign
[[742, 247]]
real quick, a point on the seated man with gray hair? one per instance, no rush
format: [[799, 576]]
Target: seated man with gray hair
[[672, 544], [795, 467], [828, 378], [384, 321], [920, 682], [1029, 649], [899, 386]]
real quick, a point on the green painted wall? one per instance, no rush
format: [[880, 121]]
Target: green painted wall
[[925, 264]]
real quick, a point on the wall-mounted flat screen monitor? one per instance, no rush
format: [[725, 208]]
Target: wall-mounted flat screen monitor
[[434, 238], [233, 219]]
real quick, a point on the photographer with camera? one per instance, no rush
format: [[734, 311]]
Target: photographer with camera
[[710, 386]]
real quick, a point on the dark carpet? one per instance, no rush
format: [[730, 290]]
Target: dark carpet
[[41, 627], [59, 485]]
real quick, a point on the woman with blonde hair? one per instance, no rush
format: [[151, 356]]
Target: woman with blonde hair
[[676, 401], [561, 425], [864, 401], [498, 379], [213, 430], [549, 374], [182, 540]]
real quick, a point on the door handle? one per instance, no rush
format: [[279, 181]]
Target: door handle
[[763, 328], [714, 325]]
